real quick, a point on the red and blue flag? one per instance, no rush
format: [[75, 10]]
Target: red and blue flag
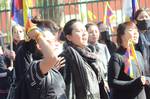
[[109, 16], [20, 11], [130, 56], [17, 11]]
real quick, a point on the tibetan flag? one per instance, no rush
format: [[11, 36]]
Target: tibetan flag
[[109, 16], [128, 66], [20, 11], [129, 8], [132, 51], [130, 56], [17, 11], [135, 7], [30, 26], [91, 15]]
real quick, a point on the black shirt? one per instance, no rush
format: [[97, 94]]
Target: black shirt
[[38, 86]]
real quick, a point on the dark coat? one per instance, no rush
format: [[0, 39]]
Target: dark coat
[[32, 83], [122, 86], [5, 78], [80, 78]]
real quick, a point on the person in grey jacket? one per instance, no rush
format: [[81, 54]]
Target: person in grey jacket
[[100, 49], [142, 20], [101, 52]]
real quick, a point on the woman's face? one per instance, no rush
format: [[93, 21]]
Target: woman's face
[[103, 28], [51, 39], [79, 35], [143, 16], [18, 33], [131, 34], [93, 34]]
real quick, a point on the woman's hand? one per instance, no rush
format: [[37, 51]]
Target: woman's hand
[[143, 80], [34, 34], [9, 54], [32, 30], [106, 86], [60, 63]]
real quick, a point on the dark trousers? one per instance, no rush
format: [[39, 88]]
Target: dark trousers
[[147, 90]]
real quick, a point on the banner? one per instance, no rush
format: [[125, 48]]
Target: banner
[[20, 11]]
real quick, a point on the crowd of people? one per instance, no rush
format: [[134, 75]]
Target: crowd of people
[[77, 61]]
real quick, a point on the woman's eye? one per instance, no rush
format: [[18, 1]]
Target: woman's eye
[[90, 32], [78, 31]]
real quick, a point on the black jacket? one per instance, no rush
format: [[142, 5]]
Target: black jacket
[[35, 85], [81, 77], [122, 86]]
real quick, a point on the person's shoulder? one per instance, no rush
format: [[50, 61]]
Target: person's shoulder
[[138, 53], [116, 56], [101, 45], [65, 52], [62, 54]]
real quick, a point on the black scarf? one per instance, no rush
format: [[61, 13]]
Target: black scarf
[[82, 64], [86, 54]]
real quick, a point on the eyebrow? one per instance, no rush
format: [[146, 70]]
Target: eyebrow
[[76, 29]]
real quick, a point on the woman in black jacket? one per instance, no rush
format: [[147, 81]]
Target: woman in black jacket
[[126, 67], [38, 79], [80, 72]]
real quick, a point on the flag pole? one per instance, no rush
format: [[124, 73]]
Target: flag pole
[[11, 36]]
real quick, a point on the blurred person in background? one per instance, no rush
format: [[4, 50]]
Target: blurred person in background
[[148, 11], [9, 55], [18, 37], [101, 51], [5, 76], [104, 37], [142, 20]]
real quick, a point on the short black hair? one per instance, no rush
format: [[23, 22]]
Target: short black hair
[[68, 26], [47, 23]]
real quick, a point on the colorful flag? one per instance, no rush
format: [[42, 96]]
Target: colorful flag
[[128, 66], [130, 56], [20, 11], [91, 16], [129, 8], [26, 11], [109, 16], [30, 26], [135, 7]]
